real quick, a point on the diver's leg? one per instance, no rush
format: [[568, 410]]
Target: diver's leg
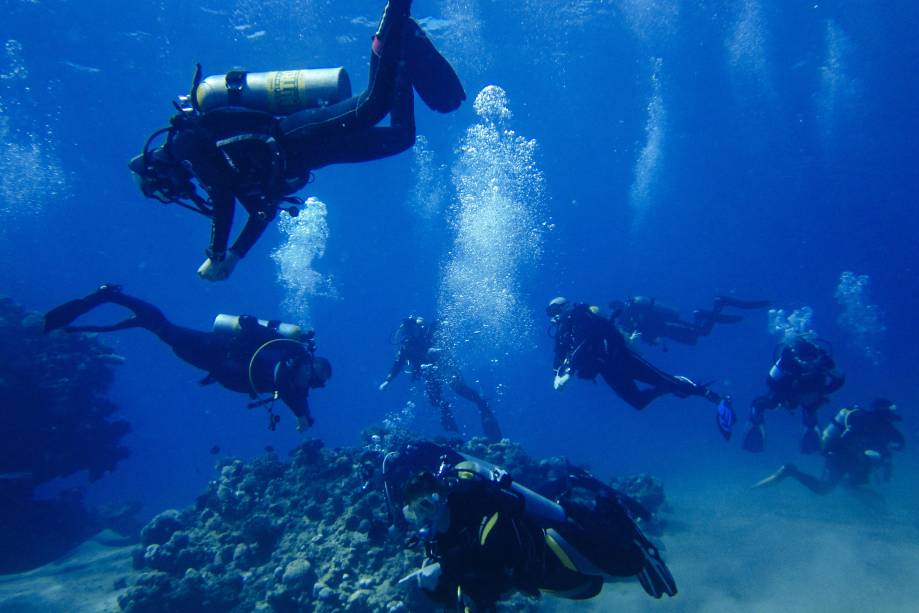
[[681, 332], [810, 440], [626, 388], [368, 108], [433, 388], [723, 301], [755, 439], [145, 314], [489, 424]]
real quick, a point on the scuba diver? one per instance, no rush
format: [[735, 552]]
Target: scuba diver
[[803, 375], [486, 536], [855, 444], [588, 344], [641, 317], [242, 353], [417, 352], [256, 137]]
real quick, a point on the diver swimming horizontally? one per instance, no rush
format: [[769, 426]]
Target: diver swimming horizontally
[[486, 536], [803, 375], [857, 443], [242, 353], [588, 344], [417, 352], [255, 138], [641, 317]]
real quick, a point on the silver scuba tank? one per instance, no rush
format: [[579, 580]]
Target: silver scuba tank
[[537, 507], [229, 325], [279, 92]]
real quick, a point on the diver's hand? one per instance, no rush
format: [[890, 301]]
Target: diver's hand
[[304, 423], [634, 336], [218, 270], [384, 385], [561, 381]]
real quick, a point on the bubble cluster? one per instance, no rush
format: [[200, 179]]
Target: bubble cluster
[[797, 324], [647, 166], [861, 319], [747, 52], [838, 90], [500, 199], [429, 193], [305, 239], [13, 67]]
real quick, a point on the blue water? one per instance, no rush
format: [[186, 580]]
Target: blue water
[[682, 150]]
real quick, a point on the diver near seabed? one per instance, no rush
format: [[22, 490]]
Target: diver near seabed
[[418, 352], [641, 317], [256, 137], [803, 375], [855, 444], [588, 344], [242, 353], [486, 536]]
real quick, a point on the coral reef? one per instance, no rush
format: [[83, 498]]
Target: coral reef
[[308, 534], [56, 421]]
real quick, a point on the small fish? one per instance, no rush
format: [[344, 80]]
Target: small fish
[[243, 27], [81, 67], [204, 9], [16, 476], [215, 450], [255, 35]]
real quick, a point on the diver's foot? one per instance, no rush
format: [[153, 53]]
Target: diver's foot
[[810, 442], [785, 470], [755, 439], [490, 426], [432, 75], [686, 387], [108, 288], [725, 418]]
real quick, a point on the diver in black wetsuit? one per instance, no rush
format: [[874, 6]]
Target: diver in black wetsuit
[[418, 352], [855, 444], [487, 536], [641, 317], [242, 353], [804, 375], [588, 344], [260, 141]]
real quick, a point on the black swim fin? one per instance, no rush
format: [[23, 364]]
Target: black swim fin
[[810, 442], [655, 577], [63, 315], [721, 318], [490, 425], [432, 75], [755, 440]]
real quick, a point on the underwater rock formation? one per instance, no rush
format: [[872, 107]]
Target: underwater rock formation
[[308, 534], [55, 421]]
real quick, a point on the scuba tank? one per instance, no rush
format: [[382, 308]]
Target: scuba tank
[[279, 92], [231, 325]]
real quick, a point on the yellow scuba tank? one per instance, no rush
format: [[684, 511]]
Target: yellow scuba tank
[[279, 92], [231, 325]]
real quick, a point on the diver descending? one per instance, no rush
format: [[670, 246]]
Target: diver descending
[[424, 360], [641, 317], [486, 536], [803, 375], [855, 444], [588, 344], [255, 138], [242, 353]]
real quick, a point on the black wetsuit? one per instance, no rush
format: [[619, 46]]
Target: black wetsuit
[[424, 360], [654, 321], [587, 344], [259, 160], [804, 376], [226, 358], [846, 440]]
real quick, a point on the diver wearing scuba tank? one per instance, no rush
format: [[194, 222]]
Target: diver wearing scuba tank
[[256, 138], [804, 375], [241, 353]]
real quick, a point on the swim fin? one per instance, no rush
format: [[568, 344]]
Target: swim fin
[[655, 577], [784, 471], [810, 442], [727, 319], [432, 75], [725, 418], [61, 316], [755, 439], [743, 304]]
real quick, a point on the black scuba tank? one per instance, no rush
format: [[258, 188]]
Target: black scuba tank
[[279, 92]]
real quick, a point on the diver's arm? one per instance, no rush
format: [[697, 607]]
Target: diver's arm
[[252, 231], [224, 205], [302, 413], [397, 367]]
